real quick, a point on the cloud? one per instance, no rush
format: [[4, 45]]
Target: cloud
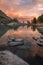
[[22, 7]]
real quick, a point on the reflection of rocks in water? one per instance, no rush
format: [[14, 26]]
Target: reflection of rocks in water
[[27, 51], [40, 29], [28, 55], [37, 60], [7, 58]]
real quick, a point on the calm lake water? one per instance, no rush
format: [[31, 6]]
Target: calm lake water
[[27, 33], [24, 32]]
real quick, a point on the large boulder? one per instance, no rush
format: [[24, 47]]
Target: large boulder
[[7, 58]]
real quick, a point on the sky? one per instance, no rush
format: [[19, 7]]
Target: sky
[[22, 8]]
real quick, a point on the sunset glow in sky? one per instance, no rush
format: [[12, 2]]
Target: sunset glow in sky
[[22, 8]]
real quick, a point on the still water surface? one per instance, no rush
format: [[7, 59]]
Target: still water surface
[[23, 32], [27, 33]]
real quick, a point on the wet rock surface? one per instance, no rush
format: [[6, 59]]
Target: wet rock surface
[[7, 58]]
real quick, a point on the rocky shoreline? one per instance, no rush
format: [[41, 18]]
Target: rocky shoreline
[[28, 52], [24, 53], [7, 58]]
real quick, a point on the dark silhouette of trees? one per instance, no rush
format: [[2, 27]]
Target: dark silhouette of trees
[[40, 19], [34, 21], [28, 22], [15, 20]]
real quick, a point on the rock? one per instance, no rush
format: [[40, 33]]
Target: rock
[[7, 58]]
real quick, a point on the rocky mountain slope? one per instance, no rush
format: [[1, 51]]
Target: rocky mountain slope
[[4, 18]]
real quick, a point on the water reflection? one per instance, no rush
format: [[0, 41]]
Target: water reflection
[[14, 27], [33, 27], [23, 32]]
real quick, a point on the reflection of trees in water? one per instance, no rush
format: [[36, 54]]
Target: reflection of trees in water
[[33, 27], [28, 26], [16, 27], [5, 28]]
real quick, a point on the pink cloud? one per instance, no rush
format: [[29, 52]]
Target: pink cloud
[[20, 7]]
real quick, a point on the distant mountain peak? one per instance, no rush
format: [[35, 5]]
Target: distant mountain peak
[[2, 14], [3, 17]]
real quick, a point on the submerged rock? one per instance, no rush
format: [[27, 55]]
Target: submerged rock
[[7, 58]]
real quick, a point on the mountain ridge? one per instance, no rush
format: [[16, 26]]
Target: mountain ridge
[[3, 17]]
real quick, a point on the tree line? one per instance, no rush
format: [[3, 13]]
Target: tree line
[[38, 20], [34, 20]]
